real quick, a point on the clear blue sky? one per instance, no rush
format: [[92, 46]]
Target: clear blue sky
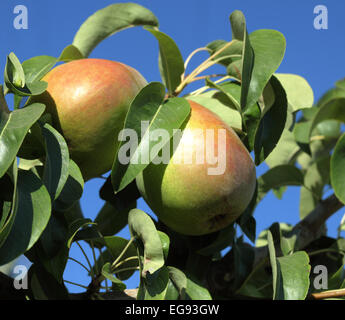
[[314, 54]]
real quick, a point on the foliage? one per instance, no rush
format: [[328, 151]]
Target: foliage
[[275, 116]]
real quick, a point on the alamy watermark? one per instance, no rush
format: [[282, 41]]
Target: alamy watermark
[[21, 20], [189, 146], [321, 18], [20, 281]]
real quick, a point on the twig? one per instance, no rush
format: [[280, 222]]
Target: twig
[[308, 229], [329, 294], [82, 265], [87, 259]]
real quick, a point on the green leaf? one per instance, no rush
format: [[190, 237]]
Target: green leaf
[[214, 101], [230, 91], [278, 176], [315, 178], [244, 259], [148, 107], [154, 289], [13, 128], [232, 53], [239, 32], [274, 266], [196, 290], [269, 50], [35, 68], [57, 161], [110, 220], [75, 226], [337, 173], [14, 73], [224, 239], [16, 81], [70, 53], [114, 214], [271, 125], [115, 246], [171, 63], [165, 240], [44, 286], [298, 91], [259, 283], [150, 248], [108, 21], [331, 107], [108, 273], [179, 279], [285, 151], [72, 189], [10, 208], [51, 249], [294, 271], [290, 274], [31, 216]]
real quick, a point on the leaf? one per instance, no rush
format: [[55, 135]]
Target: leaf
[[108, 21], [165, 240], [111, 220], [239, 32], [114, 214], [337, 173], [290, 274], [230, 91], [16, 81], [232, 53], [315, 178], [75, 226], [114, 247], [259, 283], [51, 249], [331, 108], [142, 227], [107, 273], [271, 125], [278, 176], [224, 239], [70, 53], [14, 74], [31, 216], [269, 50], [243, 259], [72, 189], [285, 151], [10, 207], [122, 199], [213, 101], [156, 289], [13, 128], [295, 271], [148, 107], [274, 266], [44, 286], [56, 166], [179, 279], [196, 291], [37, 67], [171, 64], [298, 91]]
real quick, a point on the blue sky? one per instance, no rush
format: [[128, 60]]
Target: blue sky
[[314, 54]]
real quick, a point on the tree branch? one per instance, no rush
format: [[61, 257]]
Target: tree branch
[[308, 229]]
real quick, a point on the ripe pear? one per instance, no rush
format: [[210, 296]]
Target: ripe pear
[[188, 196], [88, 100]]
